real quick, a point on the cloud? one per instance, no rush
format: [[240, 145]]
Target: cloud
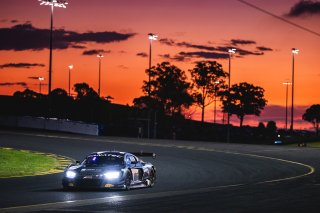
[[277, 113], [167, 41], [171, 42], [185, 56], [304, 8], [196, 46], [142, 54], [166, 56], [98, 37], [78, 46], [20, 65], [14, 21], [123, 67], [177, 57], [261, 48], [27, 37], [241, 42], [95, 52], [23, 84], [34, 77], [247, 52], [212, 52]]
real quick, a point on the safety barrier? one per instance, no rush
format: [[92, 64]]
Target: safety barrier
[[54, 124]]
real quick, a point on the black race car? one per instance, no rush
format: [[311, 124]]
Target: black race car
[[110, 170]]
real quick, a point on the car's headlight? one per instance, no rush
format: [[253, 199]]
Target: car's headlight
[[112, 175], [71, 174]]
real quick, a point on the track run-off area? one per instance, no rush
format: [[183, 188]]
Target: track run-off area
[[191, 176]]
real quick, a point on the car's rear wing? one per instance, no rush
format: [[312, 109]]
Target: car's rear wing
[[144, 154]]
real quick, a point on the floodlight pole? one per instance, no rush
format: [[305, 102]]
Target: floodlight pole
[[215, 101], [52, 4], [40, 79], [230, 51], [287, 85], [100, 56], [294, 52], [50, 57], [152, 37], [70, 68]]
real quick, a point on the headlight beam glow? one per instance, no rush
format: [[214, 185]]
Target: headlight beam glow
[[70, 174], [112, 175]]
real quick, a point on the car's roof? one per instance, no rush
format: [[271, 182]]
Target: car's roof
[[108, 153]]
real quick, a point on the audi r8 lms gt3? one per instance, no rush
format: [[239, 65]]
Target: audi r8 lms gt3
[[110, 170]]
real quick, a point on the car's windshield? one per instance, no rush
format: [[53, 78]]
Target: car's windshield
[[104, 159]]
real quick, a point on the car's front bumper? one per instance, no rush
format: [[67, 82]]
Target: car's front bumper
[[93, 183]]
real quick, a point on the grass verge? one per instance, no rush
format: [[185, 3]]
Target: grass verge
[[17, 163], [314, 144], [309, 144]]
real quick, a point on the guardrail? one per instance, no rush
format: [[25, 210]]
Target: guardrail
[[54, 124]]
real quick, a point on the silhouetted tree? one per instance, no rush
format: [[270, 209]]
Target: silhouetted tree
[[243, 99], [27, 94], [271, 129], [60, 103], [272, 126], [30, 102], [169, 90], [261, 126], [84, 91], [208, 79], [87, 101], [261, 129], [59, 93], [312, 115]]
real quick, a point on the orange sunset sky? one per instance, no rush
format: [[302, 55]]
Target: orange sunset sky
[[188, 30]]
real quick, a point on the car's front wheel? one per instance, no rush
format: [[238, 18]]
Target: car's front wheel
[[127, 181], [152, 178]]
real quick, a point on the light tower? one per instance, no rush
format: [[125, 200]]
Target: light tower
[[294, 52], [100, 56], [230, 51], [52, 4]]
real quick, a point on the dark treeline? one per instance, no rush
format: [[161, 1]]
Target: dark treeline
[[159, 113], [162, 110], [124, 120]]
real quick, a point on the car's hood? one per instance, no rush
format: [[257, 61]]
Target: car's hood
[[99, 169]]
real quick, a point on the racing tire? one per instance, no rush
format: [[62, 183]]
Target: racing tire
[[152, 178], [127, 181]]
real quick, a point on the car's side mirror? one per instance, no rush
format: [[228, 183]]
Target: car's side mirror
[[77, 162]]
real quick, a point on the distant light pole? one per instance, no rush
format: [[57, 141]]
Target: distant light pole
[[287, 85], [70, 68], [230, 51], [215, 101], [100, 56], [294, 52], [152, 37], [52, 3], [40, 79]]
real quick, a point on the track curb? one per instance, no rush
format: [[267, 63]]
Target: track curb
[[63, 161]]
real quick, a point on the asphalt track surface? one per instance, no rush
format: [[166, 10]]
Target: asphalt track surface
[[191, 177]]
